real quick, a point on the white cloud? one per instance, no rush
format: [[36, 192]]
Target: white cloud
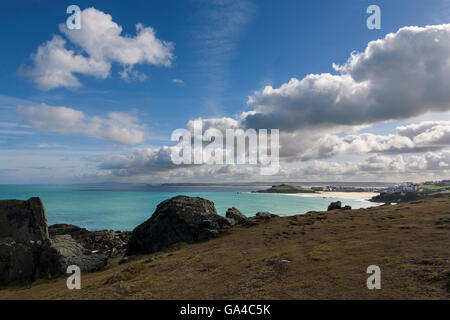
[[433, 165], [137, 162], [178, 81], [55, 66], [421, 137], [101, 43], [101, 38], [427, 133], [128, 73], [218, 123], [117, 127], [155, 164], [401, 76], [404, 75]]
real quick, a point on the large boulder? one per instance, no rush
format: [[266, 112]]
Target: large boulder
[[18, 262], [105, 241], [23, 231], [62, 251], [265, 215], [26, 250], [23, 220], [179, 219], [237, 216], [337, 205]]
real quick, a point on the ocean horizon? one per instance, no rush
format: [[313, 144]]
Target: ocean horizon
[[124, 206]]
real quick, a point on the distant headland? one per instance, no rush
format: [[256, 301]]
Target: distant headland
[[286, 188]]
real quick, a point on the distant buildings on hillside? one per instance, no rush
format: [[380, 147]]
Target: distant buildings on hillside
[[426, 186], [442, 183], [345, 189], [402, 187]]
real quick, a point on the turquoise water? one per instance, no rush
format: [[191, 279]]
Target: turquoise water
[[123, 207]]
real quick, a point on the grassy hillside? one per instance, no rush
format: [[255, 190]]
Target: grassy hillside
[[433, 187], [320, 255], [287, 188]]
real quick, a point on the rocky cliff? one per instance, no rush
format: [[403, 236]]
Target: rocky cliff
[[27, 252]]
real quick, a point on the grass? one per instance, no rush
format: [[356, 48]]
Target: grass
[[433, 187], [287, 188], [318, 255]]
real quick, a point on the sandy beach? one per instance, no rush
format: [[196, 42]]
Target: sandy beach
[[346, 195]]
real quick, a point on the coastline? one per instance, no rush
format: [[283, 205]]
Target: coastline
[[344, 195], [285, 258]]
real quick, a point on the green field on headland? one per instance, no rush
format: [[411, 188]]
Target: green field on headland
[[286, 188]]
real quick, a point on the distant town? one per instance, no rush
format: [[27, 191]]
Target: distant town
[[380, 187], [425, 187]]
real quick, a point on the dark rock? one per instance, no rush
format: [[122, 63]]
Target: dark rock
[[335, 205], [23, 230], [207, 234], [265, 215], [23, 220], [338, 206], [235, 215], [26, 250], [102, 240], [62, 251], [397, 197], [18, 262], [179, 219]]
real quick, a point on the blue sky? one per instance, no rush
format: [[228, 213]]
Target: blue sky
[[221, 53]]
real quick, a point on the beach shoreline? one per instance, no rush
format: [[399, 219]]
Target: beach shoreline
[[344, 195]]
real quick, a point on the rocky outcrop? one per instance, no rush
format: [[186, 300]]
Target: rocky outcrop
[[338, 206], [27, 252], [237, 217], [23, 231], [62, 251], [396, 197], [265, 215], [18, 261], [179, 219], [335, 205], [106, 241], [23, 221]]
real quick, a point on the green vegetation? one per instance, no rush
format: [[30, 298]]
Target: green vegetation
[[433, 187], [287, 188]]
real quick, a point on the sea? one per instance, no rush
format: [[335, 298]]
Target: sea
[[124, 206]]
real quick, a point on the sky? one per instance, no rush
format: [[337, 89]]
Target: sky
[[99, 104]]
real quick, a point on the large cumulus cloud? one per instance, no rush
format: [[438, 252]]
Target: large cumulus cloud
[[154, 163], [406, 74], [413, 138]]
